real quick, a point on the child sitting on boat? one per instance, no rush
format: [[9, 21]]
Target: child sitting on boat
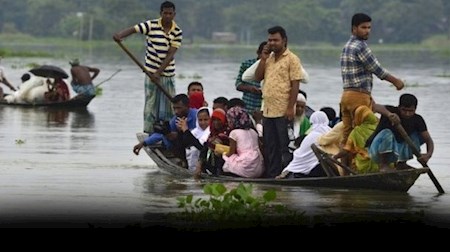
[[244, 157]]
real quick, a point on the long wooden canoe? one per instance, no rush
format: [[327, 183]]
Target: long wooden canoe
[[400, 180], [75, 102]]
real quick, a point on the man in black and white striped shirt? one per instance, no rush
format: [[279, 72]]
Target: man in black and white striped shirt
[[163, 38]]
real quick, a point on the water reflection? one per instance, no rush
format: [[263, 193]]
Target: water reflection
[[57, 117], [82, 119]]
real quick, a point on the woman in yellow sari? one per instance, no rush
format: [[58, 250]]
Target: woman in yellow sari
[[365, 123]]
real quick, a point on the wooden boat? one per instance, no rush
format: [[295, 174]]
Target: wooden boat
[[400, 180], [75, 102]]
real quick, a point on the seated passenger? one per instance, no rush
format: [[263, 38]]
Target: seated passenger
[[244, 158], [196, 87], [58, 91], [220, 102], [305, 162], [331, 113], [300, 126], [196, 100], [330, 141], [387, 145], [210, 160], [194, 139], [172, 139], [365, 123]]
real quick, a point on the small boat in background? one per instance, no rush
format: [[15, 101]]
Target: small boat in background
[[75, 102]]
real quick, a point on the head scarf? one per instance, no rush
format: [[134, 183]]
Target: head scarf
[[365, 124], [196, 100], [238, 118], [319, 122], [220, 114], [216, 136], [363, 113], [199, 133]]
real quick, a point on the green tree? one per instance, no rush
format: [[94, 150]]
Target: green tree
[[46, 15]]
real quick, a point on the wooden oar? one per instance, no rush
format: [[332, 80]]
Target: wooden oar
[[118, 70], [416, 152], [143, 69]]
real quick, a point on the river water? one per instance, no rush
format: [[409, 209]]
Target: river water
[[73, 168]]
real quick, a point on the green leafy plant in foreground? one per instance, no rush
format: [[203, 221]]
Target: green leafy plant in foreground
[[236, 207]]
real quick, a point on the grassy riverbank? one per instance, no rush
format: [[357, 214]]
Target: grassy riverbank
[[21, 45]]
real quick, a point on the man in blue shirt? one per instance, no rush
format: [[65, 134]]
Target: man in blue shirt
[[171, 138]]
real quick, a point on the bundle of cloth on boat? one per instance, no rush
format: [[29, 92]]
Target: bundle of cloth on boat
[[36, 90]]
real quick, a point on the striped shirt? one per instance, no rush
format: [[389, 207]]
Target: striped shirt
[[358, 64], [158, 44], [252, 101]]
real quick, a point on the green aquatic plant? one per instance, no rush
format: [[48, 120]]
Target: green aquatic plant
[[196, 76], [98, 91], [20, 141], [237, 207]]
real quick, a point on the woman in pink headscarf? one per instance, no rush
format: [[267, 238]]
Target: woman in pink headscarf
[[244, 158]]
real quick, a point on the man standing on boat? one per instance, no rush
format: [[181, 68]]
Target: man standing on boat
[[164, 38], [386, 145], [280, 69], [4, 81], [82, 78], [357, 66]]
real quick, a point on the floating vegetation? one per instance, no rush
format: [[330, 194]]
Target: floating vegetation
[[98, 91], [196, 76], [20, 141], [28, 65]]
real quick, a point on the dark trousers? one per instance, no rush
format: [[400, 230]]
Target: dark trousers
[[276, 141], [317, 171]]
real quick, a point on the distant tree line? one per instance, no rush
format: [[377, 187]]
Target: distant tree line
[[306, 21]]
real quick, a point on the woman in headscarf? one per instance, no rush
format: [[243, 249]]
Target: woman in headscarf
[[365, 123], [330, 141], [305, 162], [209, 159], [195, 138], [244, 158]]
